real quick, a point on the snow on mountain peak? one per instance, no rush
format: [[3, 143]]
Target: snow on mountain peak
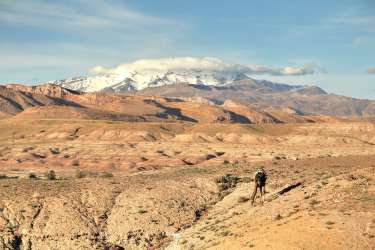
[[158, 72]]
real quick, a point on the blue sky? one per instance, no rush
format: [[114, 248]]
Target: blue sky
[[45, 40]]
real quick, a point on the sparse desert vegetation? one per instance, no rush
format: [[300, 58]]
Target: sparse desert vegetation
[[187, 125], [155, 191]]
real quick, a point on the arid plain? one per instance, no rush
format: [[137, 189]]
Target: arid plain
[[153, 185], [158, 174]]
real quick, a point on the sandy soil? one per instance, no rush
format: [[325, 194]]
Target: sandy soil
[[155, 185]]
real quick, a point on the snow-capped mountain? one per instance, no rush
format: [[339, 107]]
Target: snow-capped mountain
[[148, 73], [142, 80], [88, 84]]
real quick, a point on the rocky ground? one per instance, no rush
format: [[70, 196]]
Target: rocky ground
[[185, 186]]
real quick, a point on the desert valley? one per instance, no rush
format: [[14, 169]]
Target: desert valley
[[172, 167], [187, 125]]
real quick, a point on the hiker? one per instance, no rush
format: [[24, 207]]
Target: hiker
[[260, 178]]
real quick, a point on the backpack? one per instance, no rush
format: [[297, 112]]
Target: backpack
[[260, 177]]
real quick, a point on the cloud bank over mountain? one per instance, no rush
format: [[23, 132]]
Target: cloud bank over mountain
[[201, 64]]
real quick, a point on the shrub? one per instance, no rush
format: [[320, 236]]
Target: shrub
[[247, 179], [314, 202], [235, 164], [55, 151], [75, 163], [227, 181], [81, 174], [106, 175], [277, 217], [330, 223], [243, 199], [33, 176], [225, 233], [142, 211], [39, 155], [51, 175]]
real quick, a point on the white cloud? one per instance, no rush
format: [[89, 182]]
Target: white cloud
[[371, 70], [82, 14], [73, 35], [196, 64], [258, 70]]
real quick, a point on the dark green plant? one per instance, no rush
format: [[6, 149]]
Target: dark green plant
[[33, 176], [51, 175], [81, 174], [106, 175]]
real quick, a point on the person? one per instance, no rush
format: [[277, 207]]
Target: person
[[260, 178]]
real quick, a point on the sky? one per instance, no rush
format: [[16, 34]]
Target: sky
[[330, 44]]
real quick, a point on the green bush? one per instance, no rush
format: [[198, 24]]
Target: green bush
[[33, 176], [51, 175], [106, 175], [247, 179], [243, 199], [81, 174], [75, 163], [227, 181]]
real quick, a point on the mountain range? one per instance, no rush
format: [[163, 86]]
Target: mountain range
[[55, 102], [218, 86], [139, 80]]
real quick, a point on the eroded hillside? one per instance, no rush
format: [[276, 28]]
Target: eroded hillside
[[52, 102], [184, 185]]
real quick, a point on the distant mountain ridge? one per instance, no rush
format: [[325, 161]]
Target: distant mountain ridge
[[135, 81], [55, 102], [217, 86], [263, 94]]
